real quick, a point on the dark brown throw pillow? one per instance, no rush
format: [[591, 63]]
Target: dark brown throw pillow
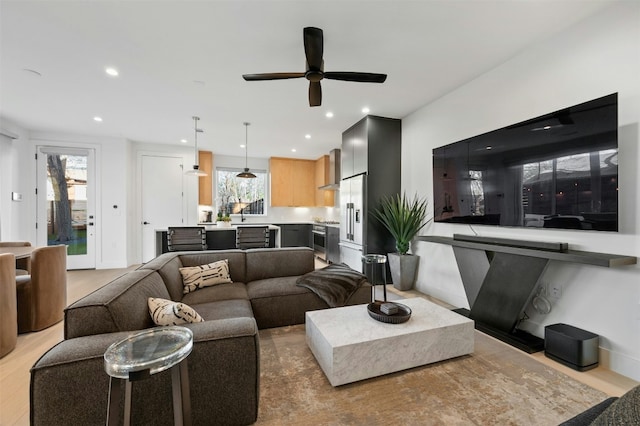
[[334, 284]]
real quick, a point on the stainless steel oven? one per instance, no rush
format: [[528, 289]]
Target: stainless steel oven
[[319, 232]]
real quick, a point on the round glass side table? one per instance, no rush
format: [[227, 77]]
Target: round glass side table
[[375, 268], [142, 355]]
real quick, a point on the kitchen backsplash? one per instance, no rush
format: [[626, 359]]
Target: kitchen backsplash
[[288, 214]]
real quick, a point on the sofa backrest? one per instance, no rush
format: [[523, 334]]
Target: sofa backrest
[[121, 305], [278, 262], [168, 266]]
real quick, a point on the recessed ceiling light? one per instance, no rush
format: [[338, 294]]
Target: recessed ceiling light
[[243, 146], [98, 119], [183, 140], [329, 114], [307, 136], [111, 71], [365, 110], [293, 150]]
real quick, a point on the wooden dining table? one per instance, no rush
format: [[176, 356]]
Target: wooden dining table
[[22, 254]]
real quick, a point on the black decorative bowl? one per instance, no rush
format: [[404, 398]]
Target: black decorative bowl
[[403, 314]]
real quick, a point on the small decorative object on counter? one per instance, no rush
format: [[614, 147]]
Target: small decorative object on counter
[[223, 221]]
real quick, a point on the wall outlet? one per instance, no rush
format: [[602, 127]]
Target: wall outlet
[[555, 290]]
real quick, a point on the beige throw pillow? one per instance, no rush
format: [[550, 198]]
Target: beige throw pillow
[[167, 312], [196, 277]]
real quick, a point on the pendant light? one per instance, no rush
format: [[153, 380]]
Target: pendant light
[[196, 168], [246, 173]]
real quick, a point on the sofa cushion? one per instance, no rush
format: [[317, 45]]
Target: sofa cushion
[[334, 284], [277, 302], [120, 305], [168, 266], [278, 262], [237, 308], [197, 277], [624, 411], [215, 293], [274, 287], [168, 312]]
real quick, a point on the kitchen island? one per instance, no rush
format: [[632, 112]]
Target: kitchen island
[[219, 238]]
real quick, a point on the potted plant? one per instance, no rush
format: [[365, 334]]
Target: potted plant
[[403, 218], [223, 221]]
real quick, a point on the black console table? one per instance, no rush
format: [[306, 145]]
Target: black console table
[[500, 276]]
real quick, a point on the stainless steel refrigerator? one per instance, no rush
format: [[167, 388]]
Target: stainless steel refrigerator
[[352, 221]]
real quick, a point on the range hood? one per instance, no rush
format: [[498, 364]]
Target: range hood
[[334, 171]]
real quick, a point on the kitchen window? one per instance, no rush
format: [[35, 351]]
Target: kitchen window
[[236, 195]]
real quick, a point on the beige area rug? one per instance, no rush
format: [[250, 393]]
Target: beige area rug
[[497, 385]]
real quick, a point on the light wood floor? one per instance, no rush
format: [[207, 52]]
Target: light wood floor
[[14, 367]]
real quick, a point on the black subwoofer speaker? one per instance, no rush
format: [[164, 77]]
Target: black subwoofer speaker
[[571, 346]]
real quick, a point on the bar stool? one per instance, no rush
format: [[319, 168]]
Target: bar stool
[[373, 262], [142, 355]]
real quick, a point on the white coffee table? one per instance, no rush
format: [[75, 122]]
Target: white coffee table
[[349, 345]]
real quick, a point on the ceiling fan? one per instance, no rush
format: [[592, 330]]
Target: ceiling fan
[[313, 49]]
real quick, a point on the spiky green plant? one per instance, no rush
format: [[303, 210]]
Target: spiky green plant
[[403, 218]]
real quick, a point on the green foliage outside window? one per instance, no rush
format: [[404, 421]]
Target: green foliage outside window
[[234, 194]]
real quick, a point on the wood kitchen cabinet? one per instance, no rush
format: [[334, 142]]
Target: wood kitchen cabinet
[[205, 183], [292, 182], [324, 198]]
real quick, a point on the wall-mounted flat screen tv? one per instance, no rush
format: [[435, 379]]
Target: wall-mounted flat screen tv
[[559, 170]]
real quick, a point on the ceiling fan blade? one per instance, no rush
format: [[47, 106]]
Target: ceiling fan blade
[[313, 47], [315, 93], [363, 77], [272, 76]]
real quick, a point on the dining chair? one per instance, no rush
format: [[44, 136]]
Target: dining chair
[[8, 311], [252, 237], [22, 265], [42, 295]]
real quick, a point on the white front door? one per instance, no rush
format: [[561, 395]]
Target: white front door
[[66, 203], [162, 198]]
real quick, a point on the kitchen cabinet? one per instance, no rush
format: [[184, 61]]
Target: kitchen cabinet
[[372, 143], [332, 244], [370, 171], [324, 198], [205, 183], [292, 182], [296, 235]]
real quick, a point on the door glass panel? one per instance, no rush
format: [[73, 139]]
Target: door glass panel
[[67, 202]]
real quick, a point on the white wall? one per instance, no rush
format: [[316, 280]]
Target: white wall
[[111, 189], [597, 57], [18, 174], [15, 224]]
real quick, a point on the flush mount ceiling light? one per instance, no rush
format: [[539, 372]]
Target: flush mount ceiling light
[[111, 71], [196, 168], [246, 173]]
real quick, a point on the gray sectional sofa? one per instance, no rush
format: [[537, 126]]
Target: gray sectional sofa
[[69, 385]]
